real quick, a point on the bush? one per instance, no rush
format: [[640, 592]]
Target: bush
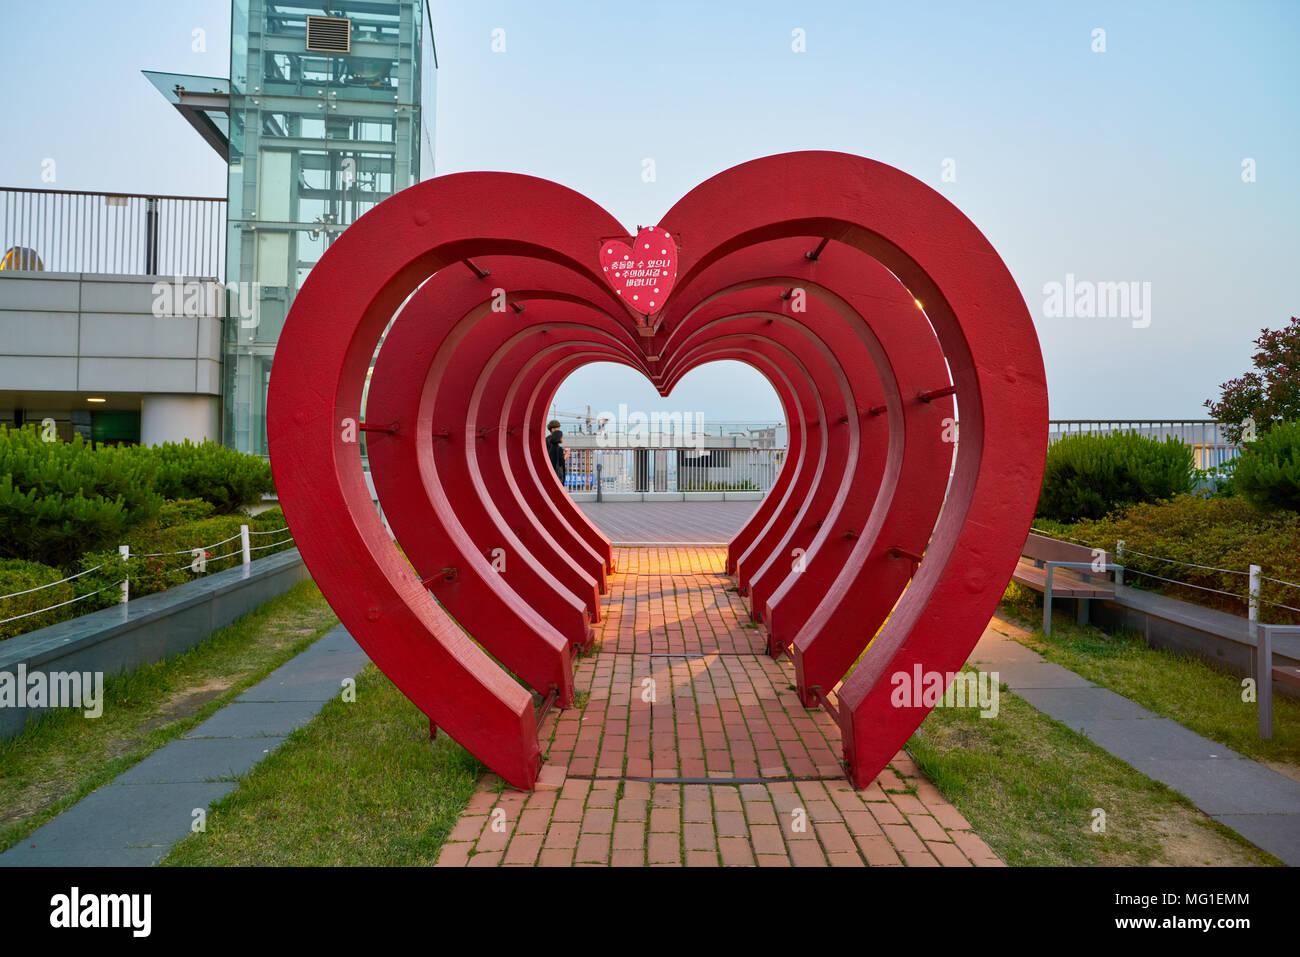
[[1268, 470], [1089, 476], [212, 472], [57, 499], [1216, 533], [161, 557], [20, 576], [102, 586], [183, 510]]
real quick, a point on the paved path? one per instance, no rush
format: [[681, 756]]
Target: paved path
[[693, 749], [144, 811], [1255, 801], [641, 523]]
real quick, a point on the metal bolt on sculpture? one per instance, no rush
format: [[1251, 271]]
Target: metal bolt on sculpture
[[811, 267]]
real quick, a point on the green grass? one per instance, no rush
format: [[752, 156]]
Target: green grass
[[361, 784], [64, 756], [1180, 687], [1029, 785]]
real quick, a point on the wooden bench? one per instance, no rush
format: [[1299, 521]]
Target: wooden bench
[[1064, 570], [1270, 639]]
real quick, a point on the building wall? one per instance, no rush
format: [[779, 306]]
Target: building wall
[[69, 337]]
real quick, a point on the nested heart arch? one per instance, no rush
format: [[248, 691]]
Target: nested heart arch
[[457, 403]]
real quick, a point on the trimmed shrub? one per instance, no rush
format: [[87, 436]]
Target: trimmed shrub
[[212, 472], [183, 510], [1268, 472], [161, 557], [1089, 476], [1216, 533], [20, 576], [57, 499], [165, 557]]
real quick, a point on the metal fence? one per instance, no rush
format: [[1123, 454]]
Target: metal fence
[[1208, 439], [125, 233], [673, 470]]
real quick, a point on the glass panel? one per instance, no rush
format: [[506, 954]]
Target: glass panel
[[316, 140]]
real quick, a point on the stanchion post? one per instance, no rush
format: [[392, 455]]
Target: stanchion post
[[1264, 677], [243, 544], [125, 552]]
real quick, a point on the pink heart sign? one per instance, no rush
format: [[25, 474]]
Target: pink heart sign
[[642, 274]]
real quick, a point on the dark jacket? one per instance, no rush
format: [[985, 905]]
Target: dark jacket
[[555, 449]]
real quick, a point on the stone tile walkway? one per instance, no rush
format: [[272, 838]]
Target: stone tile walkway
[[691, 747], [1255, 801], [135, 819]]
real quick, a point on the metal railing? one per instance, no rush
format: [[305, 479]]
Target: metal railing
[[1208, 439], [673, 470], [666, 429], [59, 230]]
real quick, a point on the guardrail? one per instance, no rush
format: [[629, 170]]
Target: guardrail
[[62, 230], [673, 470], [1208, 438]]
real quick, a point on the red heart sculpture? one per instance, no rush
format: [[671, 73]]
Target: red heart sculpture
[[810, 267], [644, 273]]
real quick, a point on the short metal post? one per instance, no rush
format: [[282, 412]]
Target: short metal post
[[1255, 572], [1047, 601], [125, 552], [599, 467], [1119, 560], [151, 236], [243, 544], [1264, 679]]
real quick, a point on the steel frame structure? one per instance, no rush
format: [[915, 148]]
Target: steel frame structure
[[871, 304]]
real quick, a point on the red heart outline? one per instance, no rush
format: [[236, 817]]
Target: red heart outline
[[539, 239]]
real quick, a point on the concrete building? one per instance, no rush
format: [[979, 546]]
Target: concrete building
[[139, 318]]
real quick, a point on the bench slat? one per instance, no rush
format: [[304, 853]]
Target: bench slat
[[1066, 582]]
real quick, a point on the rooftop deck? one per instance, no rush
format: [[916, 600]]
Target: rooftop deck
[[663, 523]]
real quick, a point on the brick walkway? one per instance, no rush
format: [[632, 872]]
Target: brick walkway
[[691, 747]]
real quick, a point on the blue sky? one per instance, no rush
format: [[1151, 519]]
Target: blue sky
[[1115, 166]]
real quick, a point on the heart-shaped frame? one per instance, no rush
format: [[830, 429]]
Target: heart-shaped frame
[[866, 298]]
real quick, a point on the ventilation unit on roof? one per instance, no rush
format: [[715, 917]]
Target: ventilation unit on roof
[[329, 34]]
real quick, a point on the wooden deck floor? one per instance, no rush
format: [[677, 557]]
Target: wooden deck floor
[[663, 523]]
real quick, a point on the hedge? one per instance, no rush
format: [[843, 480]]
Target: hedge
[[1220, 533], [1089, 476], [17, 575], [57, 499], [1268, 471]]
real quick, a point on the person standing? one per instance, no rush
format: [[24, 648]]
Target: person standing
[[555, 449]]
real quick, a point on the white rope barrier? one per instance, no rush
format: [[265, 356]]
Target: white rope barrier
[[38, 611], [272, 545], [51, 584]]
